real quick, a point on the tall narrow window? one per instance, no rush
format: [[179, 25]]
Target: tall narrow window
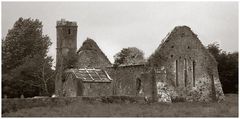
[[185, 72], [177, 73], [194, 63], [69, 31], [138, 85]]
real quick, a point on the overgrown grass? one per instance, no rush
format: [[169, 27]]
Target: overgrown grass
[[229, 108]]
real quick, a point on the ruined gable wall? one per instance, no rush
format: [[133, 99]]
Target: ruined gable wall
[[91, 56], [179, 52], [91, 59]]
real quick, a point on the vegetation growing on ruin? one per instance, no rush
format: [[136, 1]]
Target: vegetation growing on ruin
[[129, 56]]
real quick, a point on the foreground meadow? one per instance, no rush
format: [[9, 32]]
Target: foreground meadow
[[229, 108]]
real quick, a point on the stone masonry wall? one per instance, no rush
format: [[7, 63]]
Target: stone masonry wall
[[66, 43], [190, 68], [91, 56], [73, 87], [132, 80], [91, 59], [125, 77], [97, 89]]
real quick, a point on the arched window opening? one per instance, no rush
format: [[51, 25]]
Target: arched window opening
[[176, 73], [194, 65], [185, 72], [138, 85]]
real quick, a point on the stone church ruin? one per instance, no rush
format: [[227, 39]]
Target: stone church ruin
[[181, 68]]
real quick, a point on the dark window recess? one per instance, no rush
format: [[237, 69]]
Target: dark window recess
[[183, 34], [177, 73], [172, 46], [69, 31], [180, 57], [171, 55], [138, 85], [194, 65], [185, 72], [188, 47]]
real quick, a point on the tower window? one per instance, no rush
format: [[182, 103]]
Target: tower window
[[172, 46], [69, 31]]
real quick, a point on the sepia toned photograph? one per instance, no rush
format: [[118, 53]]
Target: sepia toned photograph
[[119, 59]]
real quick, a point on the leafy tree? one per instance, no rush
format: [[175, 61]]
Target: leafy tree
[[26, 66], [36, 72], [214, 49], [227, 67], [129, 56]]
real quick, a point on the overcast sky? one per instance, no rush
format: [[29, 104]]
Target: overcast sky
[[117, 25]]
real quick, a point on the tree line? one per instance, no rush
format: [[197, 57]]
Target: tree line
[[28, 70], [227, 67]]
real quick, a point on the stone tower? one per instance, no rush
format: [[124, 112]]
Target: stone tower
[[66, 44]]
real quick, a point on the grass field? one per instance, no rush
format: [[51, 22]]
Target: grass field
[[229, 108]]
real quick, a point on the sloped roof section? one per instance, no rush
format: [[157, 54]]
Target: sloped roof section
[[91, 56], [91, 75]]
